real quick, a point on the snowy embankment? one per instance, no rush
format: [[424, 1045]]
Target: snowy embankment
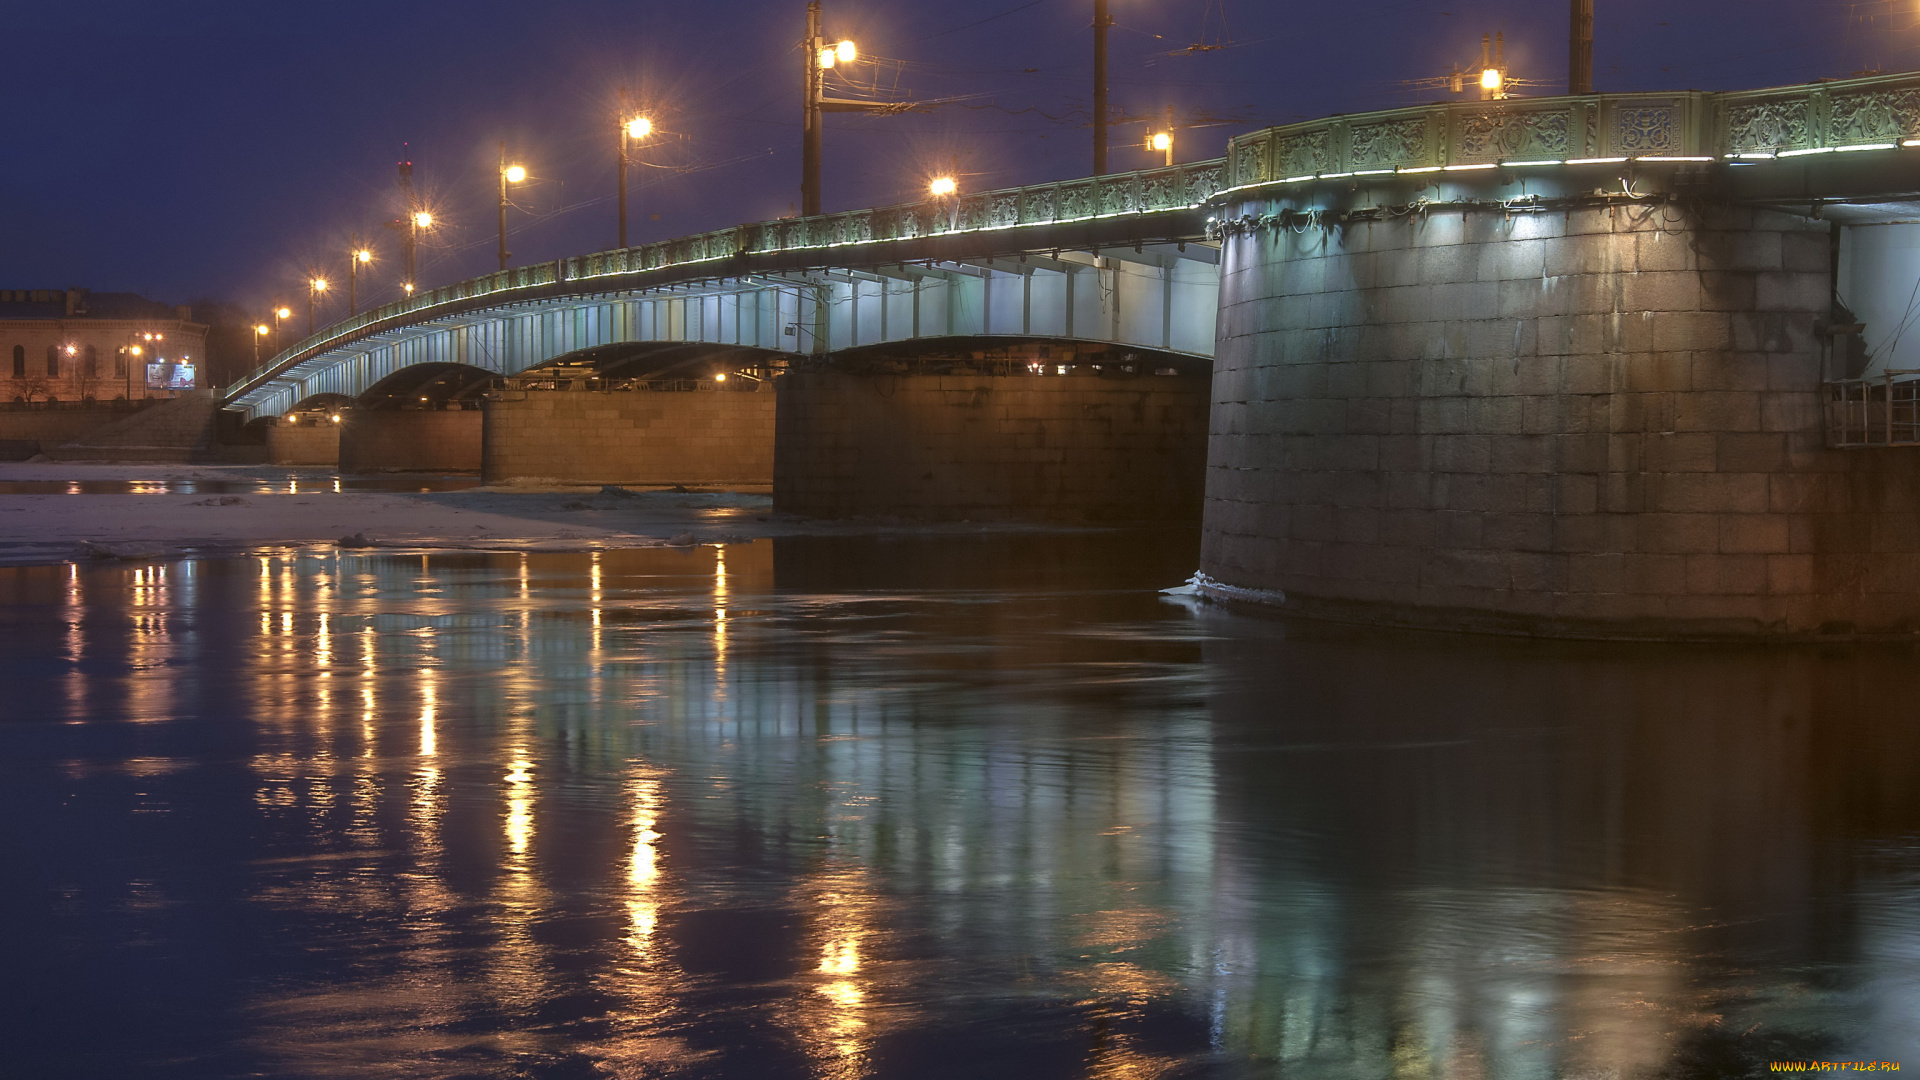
[[160, 511]]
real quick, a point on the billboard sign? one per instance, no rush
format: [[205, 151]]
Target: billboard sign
[[168, 376]]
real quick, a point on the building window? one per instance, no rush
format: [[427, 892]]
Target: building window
[[93, 362], [19, 361], [53, 361]]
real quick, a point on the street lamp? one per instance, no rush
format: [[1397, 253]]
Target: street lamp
[[509, 174], [259, 331], [315, 286], [417, 220], [945, 188], [280, 314], [1162, 142], [133, 352], [821, 56], [632, 130], [355, 259]]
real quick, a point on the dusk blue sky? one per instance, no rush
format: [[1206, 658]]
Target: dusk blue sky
[[218, 150]]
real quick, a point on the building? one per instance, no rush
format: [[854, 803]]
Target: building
[[78, 345]]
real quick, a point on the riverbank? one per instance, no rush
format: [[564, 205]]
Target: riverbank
[[62, 512]]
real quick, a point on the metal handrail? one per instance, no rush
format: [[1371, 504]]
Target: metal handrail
[[1882, 410]]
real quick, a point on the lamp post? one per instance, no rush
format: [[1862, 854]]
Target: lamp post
[[355, 258], [133, 360], [509, 174], [280, 314], [632, 130], [315, 286], [259, 331], [946, 189], [1580, 48], [416, 220], [819, 56]]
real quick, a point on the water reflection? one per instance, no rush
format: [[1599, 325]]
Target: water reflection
[[306, 483], [847, 808]]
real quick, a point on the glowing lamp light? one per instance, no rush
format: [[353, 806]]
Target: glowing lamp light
[[515, 174], [409, 287], [639, 127], [71, 350], [292, 418], [363, 255], [844, 52], [1162, 141], [335, 418], [319, 284], [943, 185], [283, 313], [423, 219], [827, 57], [135, 350], [722, 377], [1491, 79], [262, 330]]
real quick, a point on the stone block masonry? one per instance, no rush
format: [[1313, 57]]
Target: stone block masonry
[[380, 440], [705, 438], [1604, 421], [303, 443], [985, 447]]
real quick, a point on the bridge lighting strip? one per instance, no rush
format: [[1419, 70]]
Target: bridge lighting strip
[[1865, 146], [1469, 168], [1803, 153], [1659, 158], [1595, 161]]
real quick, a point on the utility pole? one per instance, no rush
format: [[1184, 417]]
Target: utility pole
[[503, 206], [413, 208], [626, 110], [820, 55], [1100, 23], [816, 77], [1580, 49]]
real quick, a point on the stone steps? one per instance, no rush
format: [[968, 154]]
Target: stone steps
[[180, 430]]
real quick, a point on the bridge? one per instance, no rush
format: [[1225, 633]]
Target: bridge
[[1614, 364]]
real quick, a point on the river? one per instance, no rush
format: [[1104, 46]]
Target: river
[[919, 807]]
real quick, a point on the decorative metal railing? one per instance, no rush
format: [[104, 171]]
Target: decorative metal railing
[[1882, 410], [1878, 112]]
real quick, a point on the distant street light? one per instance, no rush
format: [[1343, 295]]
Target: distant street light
[[1493, 67], [1163, 142], [280, 314], [632, 130], [355, 259], [509, 174], [315, 286], [416, 220], [943, 186], [259, 331]]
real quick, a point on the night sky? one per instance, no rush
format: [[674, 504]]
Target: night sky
[[216, 150]]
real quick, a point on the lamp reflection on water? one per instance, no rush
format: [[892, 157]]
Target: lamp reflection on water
[[643, 864]]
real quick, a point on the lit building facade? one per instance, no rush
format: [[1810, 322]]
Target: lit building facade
[[75, 345]]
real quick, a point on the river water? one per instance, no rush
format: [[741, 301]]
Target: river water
[[923, 807]]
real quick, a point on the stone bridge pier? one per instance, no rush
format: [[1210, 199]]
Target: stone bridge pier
[[1044, 433], [1600, 420]]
